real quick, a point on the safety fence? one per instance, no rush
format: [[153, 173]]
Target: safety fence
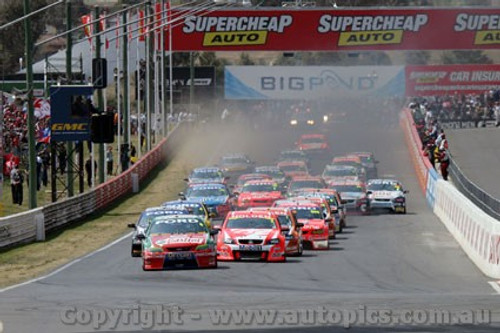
[[474, 193], [34, 224], [477, 233]]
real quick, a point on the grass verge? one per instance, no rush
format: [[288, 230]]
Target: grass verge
[[29, 261]]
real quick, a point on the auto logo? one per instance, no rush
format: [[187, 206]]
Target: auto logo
[[250, 242]]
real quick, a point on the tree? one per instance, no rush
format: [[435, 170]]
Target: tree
[[245, 60], [12, 38], [465, 57]]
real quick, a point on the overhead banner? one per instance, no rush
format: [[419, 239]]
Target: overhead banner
[[337, 29], [71, 110], [451, 79], [313, 82]]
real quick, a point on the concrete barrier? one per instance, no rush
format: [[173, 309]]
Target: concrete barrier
[[477, 233]]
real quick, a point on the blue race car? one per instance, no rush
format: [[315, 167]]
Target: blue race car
[[216, 197]]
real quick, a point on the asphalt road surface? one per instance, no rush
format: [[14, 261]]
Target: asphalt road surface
[[385, 273], [477, 153]]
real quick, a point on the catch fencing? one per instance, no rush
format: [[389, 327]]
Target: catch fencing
[[489, 204]]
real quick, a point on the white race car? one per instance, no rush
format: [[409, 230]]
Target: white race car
[[386, 194]]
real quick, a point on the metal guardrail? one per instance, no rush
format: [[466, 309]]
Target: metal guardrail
[[489, 204]]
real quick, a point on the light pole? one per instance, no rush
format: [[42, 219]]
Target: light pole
[[31, 112]]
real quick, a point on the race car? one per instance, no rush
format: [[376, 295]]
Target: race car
[[247, 177], [351, 160], [251, 235], [386, 194], [293, 155], [142, 224], [300, 182], [182, 241], [316, 230], [258, 193], [294, 168], [333, 198], [313, 143], [369, 163], [290, 228], [206, 175], [325, 206], [335, 172], [353, 195], [274, 172], [236, 164], [193, 207], [216, 197]]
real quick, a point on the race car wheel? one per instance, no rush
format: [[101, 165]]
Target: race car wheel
[[363, 208]]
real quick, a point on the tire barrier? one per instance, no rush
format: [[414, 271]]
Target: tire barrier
[[477, 232], [32, 225]]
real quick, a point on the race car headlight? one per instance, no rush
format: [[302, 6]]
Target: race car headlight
[[399, 200], [310, 122], [273, 241], [325, 118], [317, 231], [293, 122], [229, 241]]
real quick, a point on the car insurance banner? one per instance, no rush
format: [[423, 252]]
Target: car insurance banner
[[451, 79], [313, 82], [337, 29]]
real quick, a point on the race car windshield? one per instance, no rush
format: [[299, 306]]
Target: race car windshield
[[234, 160], [312, 140], [292, 155], [293, 167], [366, 159], [339, 172], [177, 227], [259, 188], [284, 220], [272, 173], [190, 208], [206, 192], [348, 188], [348, 163], [384, 187], [309, 214], [242, 181], [250, 223], [305, 184], [147, 217], [206, 175]]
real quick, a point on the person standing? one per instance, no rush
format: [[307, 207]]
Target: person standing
[[496, 111], [109, 160], [16, 184], [444, 159]]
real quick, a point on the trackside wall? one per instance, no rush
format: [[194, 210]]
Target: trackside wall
[[477, 233]]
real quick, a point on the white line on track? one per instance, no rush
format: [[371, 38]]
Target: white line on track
[[495, 285], [60, 269]]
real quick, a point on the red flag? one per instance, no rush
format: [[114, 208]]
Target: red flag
[[117, 33], [141, 26], [102, 25], [158, 15], [87, 28]]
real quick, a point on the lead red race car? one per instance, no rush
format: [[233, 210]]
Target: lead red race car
[[251, 235]]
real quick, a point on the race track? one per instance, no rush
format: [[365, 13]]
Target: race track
[[381, 262]]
